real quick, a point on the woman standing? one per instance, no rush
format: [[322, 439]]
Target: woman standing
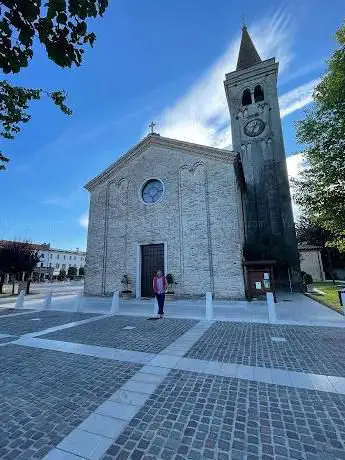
[[159, 287]]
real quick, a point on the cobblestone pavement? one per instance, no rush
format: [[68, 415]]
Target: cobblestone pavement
[[146, 336], [319, 350], [12, 311], [45, 394], [194, 416], [24, 324], [7, 339]]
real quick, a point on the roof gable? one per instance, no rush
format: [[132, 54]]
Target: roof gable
[[225, 156]]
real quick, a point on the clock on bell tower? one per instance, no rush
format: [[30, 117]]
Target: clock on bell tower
[[251, 92]]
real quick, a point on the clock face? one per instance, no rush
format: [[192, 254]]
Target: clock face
[[254, 127]]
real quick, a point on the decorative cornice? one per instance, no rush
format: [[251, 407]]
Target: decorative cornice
[[225, 156], [268, 66]]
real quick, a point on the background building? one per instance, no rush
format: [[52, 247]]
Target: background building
[[53, 260], [311, 261]]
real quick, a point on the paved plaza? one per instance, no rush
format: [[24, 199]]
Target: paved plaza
[[297, 348], [90, 385]]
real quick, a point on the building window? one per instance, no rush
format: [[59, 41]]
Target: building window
[[63, 266], [57, 266], [42, 256], [64, 257], [246, 97], [75, 257], [50, 264], [41, 264], [152, 191], [51, 256], [258, 94], [58, 256], [70, 257]]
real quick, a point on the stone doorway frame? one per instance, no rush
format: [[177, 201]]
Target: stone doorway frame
[[139, 261]]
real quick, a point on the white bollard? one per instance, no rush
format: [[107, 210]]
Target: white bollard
[[20, 299], [271, 308], [209, 306], [115, 303], [47, 300], [155, 306], [79, 301]]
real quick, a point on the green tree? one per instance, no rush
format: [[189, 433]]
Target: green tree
[[81, 271], [62, 274], [320, 188], [310, 232], [72, 272], [17, 257], [60, 26]]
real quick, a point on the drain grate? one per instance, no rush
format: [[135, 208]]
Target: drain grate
[[35, 319], [127, 328]]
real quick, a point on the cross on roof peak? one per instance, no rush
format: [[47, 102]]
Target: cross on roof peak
[[151, 126]]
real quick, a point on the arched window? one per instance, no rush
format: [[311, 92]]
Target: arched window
[[258, 94], [246, 97]]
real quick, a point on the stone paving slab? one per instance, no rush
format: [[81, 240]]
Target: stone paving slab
[[195, 416], [24, 324], [147, 336], [318, 350], [46, 394]]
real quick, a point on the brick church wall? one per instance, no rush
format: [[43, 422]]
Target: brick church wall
[[198, 217]]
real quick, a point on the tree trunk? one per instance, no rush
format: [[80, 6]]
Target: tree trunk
[[13, 283], [28, 286], [330, 265]]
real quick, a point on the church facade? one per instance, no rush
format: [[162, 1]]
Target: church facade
[[167, 205], [193, 210]]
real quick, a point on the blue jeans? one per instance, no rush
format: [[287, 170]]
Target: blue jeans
[[160, 299]]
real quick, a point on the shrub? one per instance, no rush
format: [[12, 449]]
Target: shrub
[[308, 279], [126, 281], [171, 281]]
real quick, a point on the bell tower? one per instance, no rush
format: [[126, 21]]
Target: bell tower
[[251, 92]]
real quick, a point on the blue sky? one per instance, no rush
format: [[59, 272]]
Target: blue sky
[[161, 61]]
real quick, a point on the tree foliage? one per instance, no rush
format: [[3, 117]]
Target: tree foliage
[[60, 27], [320, 188], [312, 233], [72, 272], [17, 257], [62, 275], [81, 271]]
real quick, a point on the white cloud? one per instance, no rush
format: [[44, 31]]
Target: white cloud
[[295, 164], [84, 220], [67, 201], [310, 67], [202, 115], [297, 98]]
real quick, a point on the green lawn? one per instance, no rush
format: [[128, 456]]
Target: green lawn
[[330, 299]]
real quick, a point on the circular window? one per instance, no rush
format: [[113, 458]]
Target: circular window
[[152, 191]]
